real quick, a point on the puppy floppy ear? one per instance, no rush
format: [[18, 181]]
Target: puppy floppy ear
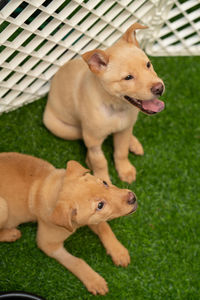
[[130, 34], [97, 60], [74, 169], [63, 215]]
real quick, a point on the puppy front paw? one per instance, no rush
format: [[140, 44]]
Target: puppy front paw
[[120, 256], [135, 146], [97, 285], [127, 172]]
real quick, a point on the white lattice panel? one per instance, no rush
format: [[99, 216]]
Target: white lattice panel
[[175, 30], [38, 36]]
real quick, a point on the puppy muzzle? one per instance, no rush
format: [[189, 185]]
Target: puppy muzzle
[[132, 200]]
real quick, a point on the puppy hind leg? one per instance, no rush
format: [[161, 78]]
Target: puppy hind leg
[[114, 248], [9, 234], [59, 128], [6, 234]]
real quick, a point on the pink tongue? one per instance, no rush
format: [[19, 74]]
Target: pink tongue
[[154, 105]]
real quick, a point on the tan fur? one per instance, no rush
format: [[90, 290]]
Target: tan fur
[[86, 100], [61, 201]]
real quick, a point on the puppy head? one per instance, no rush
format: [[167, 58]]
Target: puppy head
[[84, 200], [126, 73]]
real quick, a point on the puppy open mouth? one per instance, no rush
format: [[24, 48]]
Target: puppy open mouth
[[150, 107]]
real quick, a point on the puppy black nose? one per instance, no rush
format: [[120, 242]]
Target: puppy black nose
[[131, 198], [157, 89]]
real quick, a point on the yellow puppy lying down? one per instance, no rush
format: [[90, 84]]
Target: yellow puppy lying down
[[101, 94], [61, 201]]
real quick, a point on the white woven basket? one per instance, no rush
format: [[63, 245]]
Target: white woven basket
[[38, 36]]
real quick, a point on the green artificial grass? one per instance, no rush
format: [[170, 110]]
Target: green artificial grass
[[162, 236]]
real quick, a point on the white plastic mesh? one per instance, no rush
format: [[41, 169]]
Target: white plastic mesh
[[176, 32], [38, 36]]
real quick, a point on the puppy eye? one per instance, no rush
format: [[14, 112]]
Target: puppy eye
[[100, 205], [129, 77], [148, 64], [105, 183]]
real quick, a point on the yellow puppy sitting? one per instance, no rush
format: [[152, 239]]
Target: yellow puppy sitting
[[61, 201], [101, 94]]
